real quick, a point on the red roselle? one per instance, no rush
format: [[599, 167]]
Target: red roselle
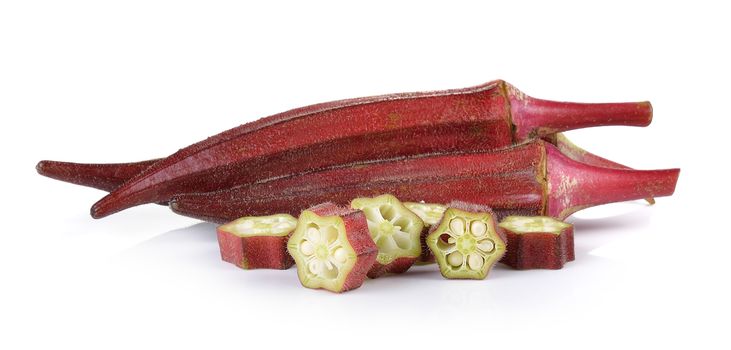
[[533, 179], [486, 117]]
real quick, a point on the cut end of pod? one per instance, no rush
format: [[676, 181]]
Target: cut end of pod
[[431, 214], [332, 248], [537, 242], [257, 242], [395, 230], [535, 118], [467, 242]]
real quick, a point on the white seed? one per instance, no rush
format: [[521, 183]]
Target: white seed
[[402, 239], [475, 261], [313, 235], [478, 228], [457, 226], [340, 255], [314, 266], [486, 246], [455, 259], [307, 248]]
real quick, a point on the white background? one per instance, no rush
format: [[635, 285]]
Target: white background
[[95, 81]]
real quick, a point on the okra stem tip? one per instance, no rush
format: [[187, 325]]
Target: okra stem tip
[[535, 117], [574, 185]]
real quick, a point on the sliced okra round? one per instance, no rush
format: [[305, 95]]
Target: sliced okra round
[[257, 242], [332, 252], [431, 214], [537, 242], [396, 231], [466, 244]]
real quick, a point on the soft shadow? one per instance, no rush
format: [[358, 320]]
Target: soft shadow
[[632, 219], [199, 233], [193, 245]]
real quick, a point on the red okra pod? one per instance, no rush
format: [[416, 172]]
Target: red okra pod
[[486, 117], [109, 176], [533, 179]]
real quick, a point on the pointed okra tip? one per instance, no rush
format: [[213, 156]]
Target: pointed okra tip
[[466, 244], [332, 252], [396, 231], [40, 167]]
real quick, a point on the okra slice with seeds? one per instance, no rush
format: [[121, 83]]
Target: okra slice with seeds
[[332, 248], [537, 242], [395, 230], [466, 244], [257, 242], [431, 214]]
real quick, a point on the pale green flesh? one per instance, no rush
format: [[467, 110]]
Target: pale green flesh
[[533, 224], [321, 250], [430, 213], [465, 244], [395, 229], [252, 226]]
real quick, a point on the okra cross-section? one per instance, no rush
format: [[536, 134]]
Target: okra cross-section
[[395, 230], [466, 244], [431, 214], [332, 248], [257, 242], [537, 242]]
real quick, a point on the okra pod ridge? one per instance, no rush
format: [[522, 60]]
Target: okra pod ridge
[[486, 117]]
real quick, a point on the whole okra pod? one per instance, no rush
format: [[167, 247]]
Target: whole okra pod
[[534, 179], [486, 117]]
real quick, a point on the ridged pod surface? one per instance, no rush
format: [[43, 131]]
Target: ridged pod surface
[[533, 179], [106, 177], [486, 117]]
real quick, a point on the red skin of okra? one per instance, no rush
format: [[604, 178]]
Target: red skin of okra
[[398, 265], [109, 176], [533, 179], [359, 238], [539, 250], [255, 252], [486, 117], [105, 177]]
